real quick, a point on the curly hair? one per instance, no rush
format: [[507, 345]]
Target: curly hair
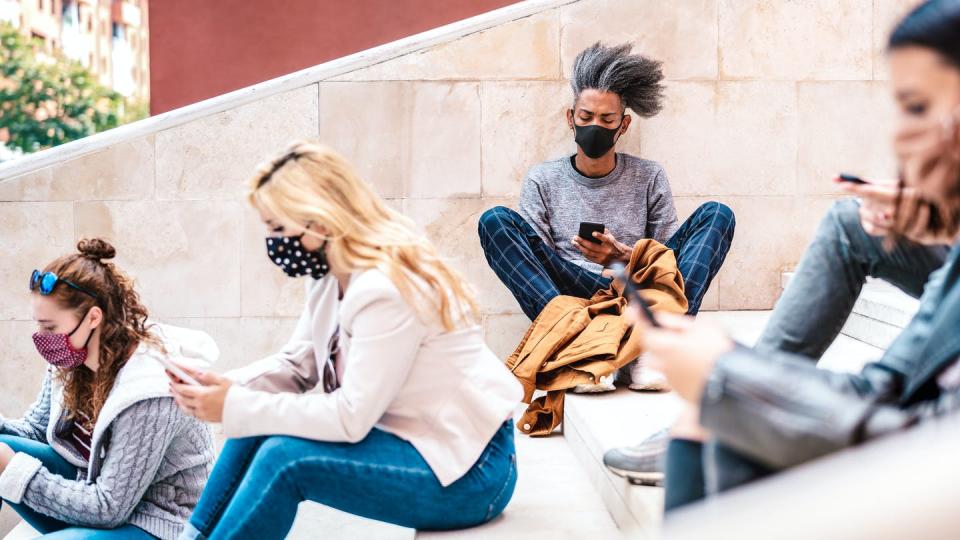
[[635, 78], [124, 324]]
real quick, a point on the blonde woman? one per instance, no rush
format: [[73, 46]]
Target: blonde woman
[[412, 425]]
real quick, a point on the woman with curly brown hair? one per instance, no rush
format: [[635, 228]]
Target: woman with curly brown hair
[[103, 452]]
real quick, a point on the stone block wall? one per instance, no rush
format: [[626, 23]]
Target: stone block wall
[[766, 99]]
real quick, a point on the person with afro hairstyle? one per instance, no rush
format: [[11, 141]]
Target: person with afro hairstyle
[[536, 250]]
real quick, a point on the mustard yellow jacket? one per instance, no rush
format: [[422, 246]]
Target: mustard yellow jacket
[[577, 340]]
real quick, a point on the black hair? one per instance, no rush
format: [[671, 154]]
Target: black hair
[[934, 24], [635, 78]]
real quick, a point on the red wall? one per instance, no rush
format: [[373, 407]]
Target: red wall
[[203, 48]]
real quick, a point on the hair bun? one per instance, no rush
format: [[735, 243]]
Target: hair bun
[[96, 249]]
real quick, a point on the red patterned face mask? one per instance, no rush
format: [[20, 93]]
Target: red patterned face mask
[[57, 350]]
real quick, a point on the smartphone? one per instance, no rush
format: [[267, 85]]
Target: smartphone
[[587, 229], [178, 371], [633, 293], [852, 179]]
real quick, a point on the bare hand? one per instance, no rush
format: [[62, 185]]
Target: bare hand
[[608, 251], [6, 454], [203, 402], [683, 350], [878, 208], [687, 426]]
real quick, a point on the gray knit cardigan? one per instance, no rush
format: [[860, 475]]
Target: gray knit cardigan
[[148, 461]]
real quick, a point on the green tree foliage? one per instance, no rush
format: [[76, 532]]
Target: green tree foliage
[[49, 100]]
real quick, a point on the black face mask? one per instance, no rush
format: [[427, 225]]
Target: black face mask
[[594, 140], [288, 253]]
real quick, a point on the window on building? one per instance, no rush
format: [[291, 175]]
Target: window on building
[[90, 22], [40, 5], [53, 7]]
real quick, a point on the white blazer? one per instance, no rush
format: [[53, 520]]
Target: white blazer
[[444, 392]]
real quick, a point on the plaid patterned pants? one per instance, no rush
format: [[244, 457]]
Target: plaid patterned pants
[[535, 273]]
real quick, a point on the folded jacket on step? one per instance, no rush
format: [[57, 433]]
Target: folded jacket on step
[[577, 340]]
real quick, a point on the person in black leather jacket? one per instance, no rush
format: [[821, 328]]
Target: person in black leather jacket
[[752, 412]]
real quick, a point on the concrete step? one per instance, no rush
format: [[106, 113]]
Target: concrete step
[[879, 314], [595, 423], [311, 519], [554, 499], [563, 488]]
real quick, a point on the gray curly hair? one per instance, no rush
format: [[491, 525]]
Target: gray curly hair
[[635, 78]]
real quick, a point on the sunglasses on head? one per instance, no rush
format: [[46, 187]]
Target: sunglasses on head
[[45, 282]]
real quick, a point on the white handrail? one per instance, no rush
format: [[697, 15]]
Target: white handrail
[[292, 81]]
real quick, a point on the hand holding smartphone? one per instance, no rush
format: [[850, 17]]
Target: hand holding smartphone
[[852, 179], [178, 371], [633, 293], [587, 229]]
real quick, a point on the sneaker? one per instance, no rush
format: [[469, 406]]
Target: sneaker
[[644, 379], [640, 464], [605, 384]]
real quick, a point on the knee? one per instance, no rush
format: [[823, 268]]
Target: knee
[[493, 219], [719, 213], [10, 439], [272, 450], [22, 444], [273, 459], [843, 215]]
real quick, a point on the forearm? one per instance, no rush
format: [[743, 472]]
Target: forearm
[[386, 338], [141, 436], [782, 410], [33, 425], [294, 368], [280, 373], [23, 428]]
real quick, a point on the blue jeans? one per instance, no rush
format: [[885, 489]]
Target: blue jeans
[[536, 274], [817, 302], [258, 482], [812, 311], [54, 528]]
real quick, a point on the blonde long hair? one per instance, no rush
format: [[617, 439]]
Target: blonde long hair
[[311, 183]]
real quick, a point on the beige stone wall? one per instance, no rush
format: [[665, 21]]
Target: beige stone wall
[[765, 100]]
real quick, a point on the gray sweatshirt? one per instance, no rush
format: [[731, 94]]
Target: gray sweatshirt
[[148, 461], [633, 201]]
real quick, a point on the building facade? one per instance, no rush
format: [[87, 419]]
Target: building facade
[[202, 49], [110, 38]]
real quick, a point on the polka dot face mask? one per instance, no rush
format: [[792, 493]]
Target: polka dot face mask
[[57, 350], [288, 253]]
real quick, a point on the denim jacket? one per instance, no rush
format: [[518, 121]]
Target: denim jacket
[[781, 410]]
